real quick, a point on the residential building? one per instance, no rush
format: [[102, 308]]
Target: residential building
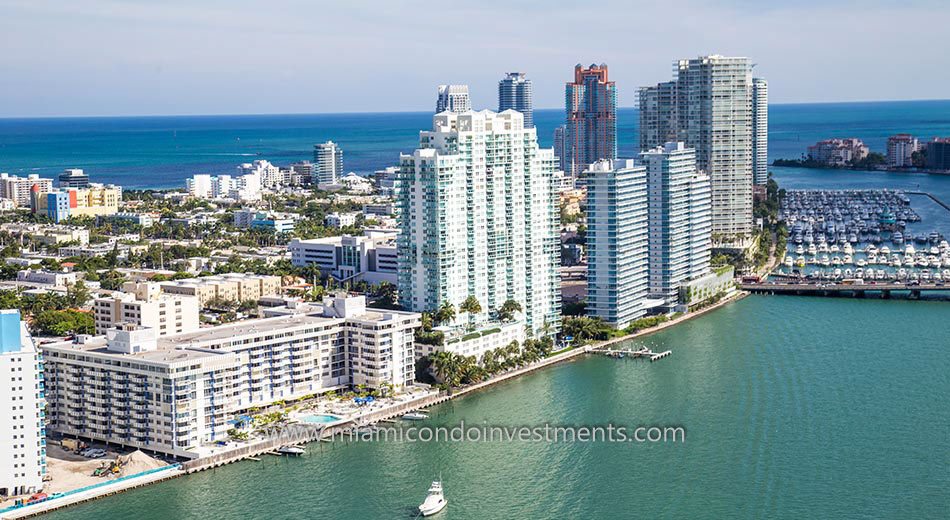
[[474, 343], [241, 188], [47, 277], [659, 121], [371, 257], [386, 180], [477, 212], [233, 287], [63, 203], [760, 131], [73, 178], [453, 98], [271, 176], [300, 173], [709, 107], [164, 313], [19, 189], [254, 219], [617, 241], [327, 163], [141, 219], [901, 149], [340, 220], [179, 393], [48, 234], [515, 93], [838, 152], [679, 221], [590, 103], [559, 144], [938, 154], [22, 399]]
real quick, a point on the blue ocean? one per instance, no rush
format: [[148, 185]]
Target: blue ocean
[[160, 152]]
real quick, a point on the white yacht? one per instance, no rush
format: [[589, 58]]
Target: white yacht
[[885, 250], [435, 501], [290, 450], [789, 261], [415, 416]]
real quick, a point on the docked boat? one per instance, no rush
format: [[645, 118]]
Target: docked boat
[[290, 450], [415, 416], [435, 500]]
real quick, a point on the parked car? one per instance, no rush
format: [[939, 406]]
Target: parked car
[[94, 453]]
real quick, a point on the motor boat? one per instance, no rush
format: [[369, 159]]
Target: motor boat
[[415, 416], [435, 500]]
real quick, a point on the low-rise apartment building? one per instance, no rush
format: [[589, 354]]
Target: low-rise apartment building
[[235, 287], [165, 313], [371, 257]]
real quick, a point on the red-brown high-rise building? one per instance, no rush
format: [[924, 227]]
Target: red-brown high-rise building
[[590, 103]]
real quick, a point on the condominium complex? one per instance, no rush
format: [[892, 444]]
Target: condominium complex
[[327, 163], [271, 176], [709, 106], [453, 98], [515, 93], [19, 189], [679, 221], [241, 187], [63, 203], [22, 399], [901, 149], [590, 103], [477, 214], [176, 393], [617, 241], [559, 143], [838, 152], [164, 313], [230, 287], [73, 178], [760, 131], [371, 257]]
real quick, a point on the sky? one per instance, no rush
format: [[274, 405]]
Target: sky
[[148, 57]]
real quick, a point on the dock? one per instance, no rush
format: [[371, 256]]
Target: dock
[[635, 354], [883, 290]]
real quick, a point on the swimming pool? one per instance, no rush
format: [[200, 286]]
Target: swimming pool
[[320, 419]]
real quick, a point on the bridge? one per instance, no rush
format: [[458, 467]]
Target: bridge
[[883, 290]]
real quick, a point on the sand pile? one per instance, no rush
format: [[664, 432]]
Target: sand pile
[[137, 462]]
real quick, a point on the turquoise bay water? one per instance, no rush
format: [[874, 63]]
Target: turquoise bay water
[[794, 408], [162, 151]]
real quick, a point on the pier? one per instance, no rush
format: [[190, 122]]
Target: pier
[[884, 290], [935, 199], [635, 354]]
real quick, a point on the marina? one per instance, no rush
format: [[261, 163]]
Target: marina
[[643, 352], [860, 235]]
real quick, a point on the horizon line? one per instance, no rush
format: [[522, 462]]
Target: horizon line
[[254, 114]]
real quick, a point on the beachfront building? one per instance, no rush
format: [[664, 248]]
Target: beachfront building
[[474, 343], [164, 313], [938, 154], [19, 189], [22, 399], [371, 257], [515, 93], [477, 214], [617, 241], [73, 178], [679, 221], [173, 394], [709, 107], [271, 176], [453, 98], [901, 149], [327, 163], [838, 152], [245, 188], [590, 103], [760, 131], [63, 203]]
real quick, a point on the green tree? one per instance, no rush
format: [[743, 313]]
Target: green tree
[[446, 314], [508, 310]]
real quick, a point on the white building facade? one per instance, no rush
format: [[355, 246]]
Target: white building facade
[[327, 163], [22, 399], [477, 212], [617, 241], [760, 131], [165, 313], [371, 257], [453, 98], [175, 393]]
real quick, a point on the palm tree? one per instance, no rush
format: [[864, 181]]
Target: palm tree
[[448, 367], [445, 314], [508, 310], [471, 307]]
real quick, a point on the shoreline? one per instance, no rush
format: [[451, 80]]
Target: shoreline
[[303, 434]]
